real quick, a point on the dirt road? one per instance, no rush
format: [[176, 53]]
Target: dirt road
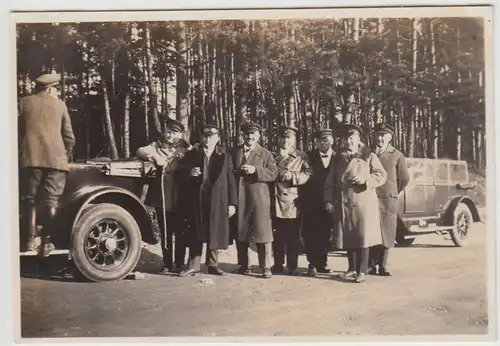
[[436, 289]]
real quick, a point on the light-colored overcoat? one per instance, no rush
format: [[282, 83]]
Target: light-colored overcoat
[[356, 214], [253, 222]]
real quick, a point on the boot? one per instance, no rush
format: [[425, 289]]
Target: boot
[[30, 241], [47, 230]]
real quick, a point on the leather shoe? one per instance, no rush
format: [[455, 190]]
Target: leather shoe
[[188, 272], [384, 272], [293, 272], [215, 271], [311, 271], [360, 277], [165, 270], [323, 270], [348, 274], [242, 270], [371, 271], [266, 273]]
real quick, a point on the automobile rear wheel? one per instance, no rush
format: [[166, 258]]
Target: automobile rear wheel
[[106, 243], [462, 221]]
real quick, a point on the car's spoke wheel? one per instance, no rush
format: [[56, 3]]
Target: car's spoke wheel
[[462, 221], [106, 243]]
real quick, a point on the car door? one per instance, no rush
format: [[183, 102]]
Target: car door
[[420, 192]]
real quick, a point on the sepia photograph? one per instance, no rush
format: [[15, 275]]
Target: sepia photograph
[[254, 174]]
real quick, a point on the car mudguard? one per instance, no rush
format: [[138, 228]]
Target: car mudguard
[[145, 216], [447, 218]]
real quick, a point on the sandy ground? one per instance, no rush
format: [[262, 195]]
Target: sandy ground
[[436, 288]]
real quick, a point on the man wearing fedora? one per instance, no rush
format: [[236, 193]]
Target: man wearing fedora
[[255, 169], [46, 141], [317, 222], [166, 153], [209, 200], [293, 172], [398, 178]]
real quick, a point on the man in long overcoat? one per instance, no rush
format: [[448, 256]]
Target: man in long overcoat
[[45, 145], [397, 179], [167, 154], [317, 222], [255, 169], [293, 171], [210, 200], [351, 197]]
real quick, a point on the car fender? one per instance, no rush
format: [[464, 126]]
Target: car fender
[[119, 196], [453, 203]]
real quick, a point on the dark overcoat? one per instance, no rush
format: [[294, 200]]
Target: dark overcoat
[[356, 213], [253, 222], [46, 135], [206, 203], [398, 178]]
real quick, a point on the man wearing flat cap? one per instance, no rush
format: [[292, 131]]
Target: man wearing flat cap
[[398, 178], [209, 200], [46, 143], [351, 198], [255, 169], [167, 153], [293, 172], [318, 222]]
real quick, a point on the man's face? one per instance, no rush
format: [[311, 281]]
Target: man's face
[[250, 138], [288, 142], [382, 139], [351, 142], [171, 136], [324, 143], [210, 140]]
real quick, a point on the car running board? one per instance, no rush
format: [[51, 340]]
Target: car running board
[[53, 252]]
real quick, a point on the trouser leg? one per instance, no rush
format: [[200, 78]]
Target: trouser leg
[[383, 255], [292, 243], [351, 260], [362, 257], [174, 227], [195, 251], [166, 241], [374, 255], [279, 244], [242, 249], [264, 254], [212, 258]]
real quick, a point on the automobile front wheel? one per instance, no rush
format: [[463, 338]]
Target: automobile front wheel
[[106, 243], [462, 221]]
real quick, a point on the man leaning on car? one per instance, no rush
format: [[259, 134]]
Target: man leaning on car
[[167, 153]]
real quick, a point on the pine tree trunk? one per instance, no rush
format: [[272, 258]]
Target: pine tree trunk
[[113, 151], [153, 95], [181, 78]]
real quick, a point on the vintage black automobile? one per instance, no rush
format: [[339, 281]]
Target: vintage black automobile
[[104, 215], [439, 199]]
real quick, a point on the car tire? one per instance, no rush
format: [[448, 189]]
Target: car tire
[[106, 243], [462, 221]]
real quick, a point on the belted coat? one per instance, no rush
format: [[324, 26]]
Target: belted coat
[[356, 211]]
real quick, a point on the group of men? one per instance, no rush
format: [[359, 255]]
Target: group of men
[[282, 202]]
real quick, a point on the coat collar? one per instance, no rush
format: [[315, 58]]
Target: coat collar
[[257, 149]]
